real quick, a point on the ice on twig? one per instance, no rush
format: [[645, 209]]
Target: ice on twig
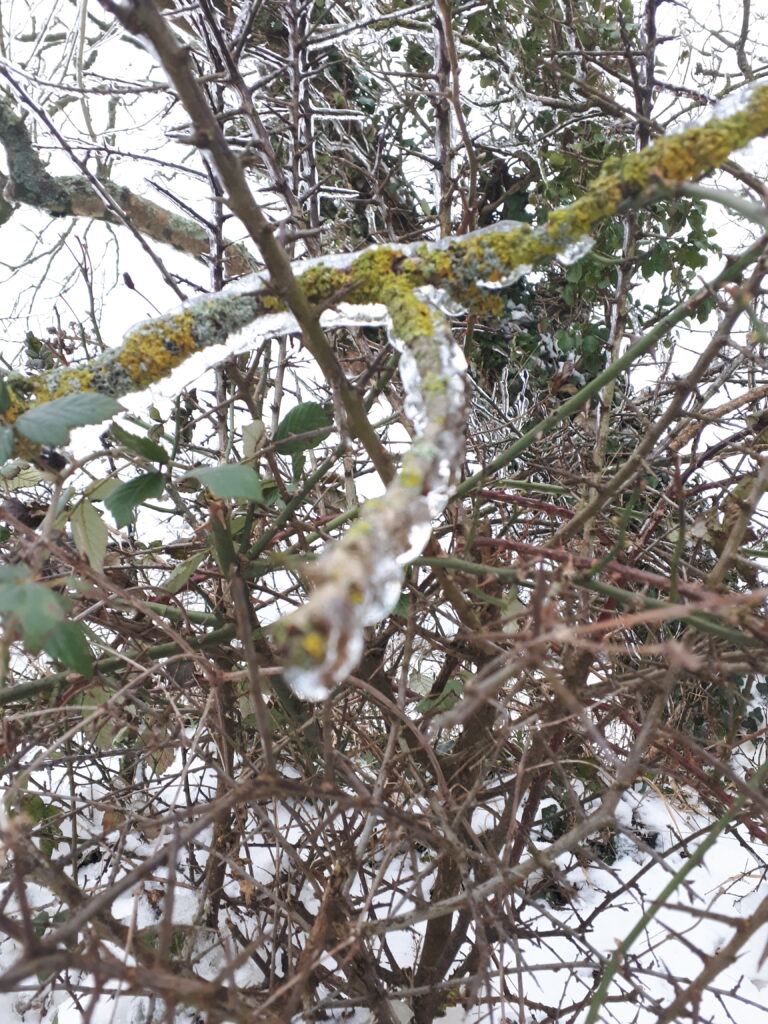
[[576, 250], [359, 579]]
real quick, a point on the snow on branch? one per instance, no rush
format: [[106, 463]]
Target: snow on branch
[[413, 290]]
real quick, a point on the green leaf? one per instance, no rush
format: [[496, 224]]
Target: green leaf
[[139, 445], [51, 422], [36, 809], [6, 444], [13, 574], [124, 499], [67, 643], [37, 609], [444, 701], [90, 534], [253, 438], [297, 465], [182, 572], [303, 418], [49, 833], [5, 396], [223, 545], [566, 341], [100, 490], [235, 481]]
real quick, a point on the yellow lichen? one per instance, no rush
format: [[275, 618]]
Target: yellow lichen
[[435, 267], [411, 477], [315, 645], [580, 218], [372, 270], [483, 302], [72, 380], [271, 304], [377, 280], [16, 407], [434, 384], [361, 528], [319, 283], [151, 351], [411, 318], [699, 149]]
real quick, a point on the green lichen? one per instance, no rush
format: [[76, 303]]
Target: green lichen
[[110, 377], [303, 647], [387, 275], [411, 318], [568, 225], [433, 267], [32, 183], [272, 304], [217, 319], [482, 302], [465, 263], [380, 277], [360, 528], [18, 403]]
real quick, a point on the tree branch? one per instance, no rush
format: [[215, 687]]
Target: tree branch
[[414, 289]]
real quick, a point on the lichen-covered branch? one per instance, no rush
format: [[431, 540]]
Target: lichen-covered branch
[[359, 580], [29, 183], [413, 289]]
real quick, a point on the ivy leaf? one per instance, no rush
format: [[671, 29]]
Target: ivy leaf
[[124, 499], [303, 418], [142, 446], [51, 422], [90, 534], [235, 481], [66, 643]]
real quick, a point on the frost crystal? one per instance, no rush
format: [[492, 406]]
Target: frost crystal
[[729, 105], [439, 299], [417, 537], [371, 314], [576, 250], [508, 279]]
